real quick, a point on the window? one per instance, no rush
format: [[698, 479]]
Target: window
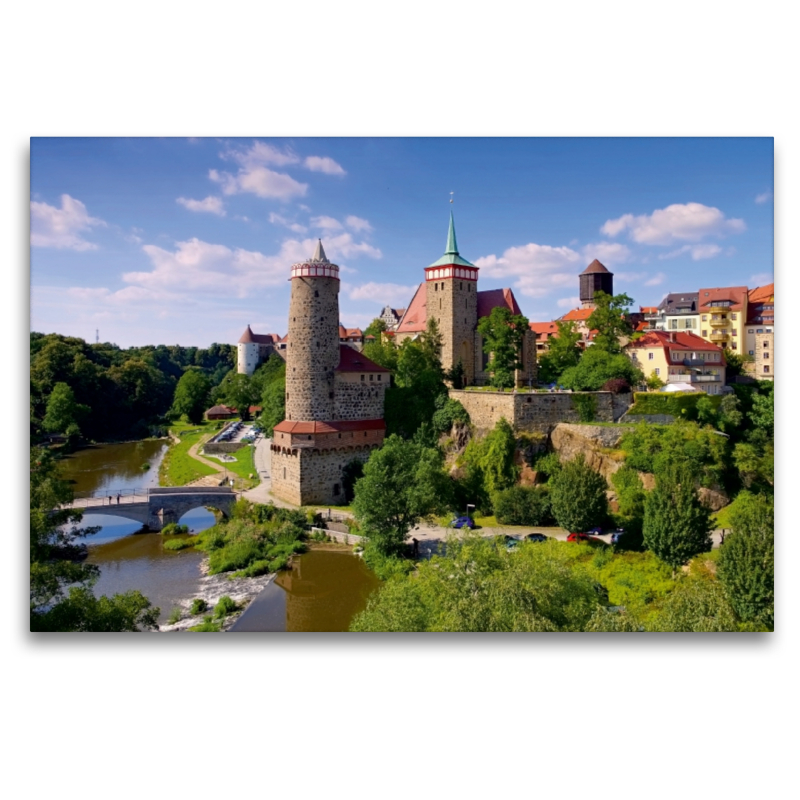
[[705, 333], [766, 368], [316, 293], [688, 323], [734, 331], [336, 488], [733, 345], [752, 353], [657, 371], [760, 330], [766, 355], [673, 324], [704, 317], [379, 377], [362, 377], [371, 376], [649, 356], [766, 344], [284, 471], [733, 317], [750, 330]]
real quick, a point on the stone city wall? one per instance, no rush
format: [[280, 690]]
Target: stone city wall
[[222, 447], [535, 411]]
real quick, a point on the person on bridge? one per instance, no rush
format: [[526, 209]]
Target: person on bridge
[[117, 498]]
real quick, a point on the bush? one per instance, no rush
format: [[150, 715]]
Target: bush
[[225, 606], [616, 386], [522, 505], [172, 528], [578, 496], [207, 626], [681, 405], [178, 544], [198, 606], [586, 405], [175, 615], [548, 464]]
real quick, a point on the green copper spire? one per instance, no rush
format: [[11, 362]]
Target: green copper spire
[[452, 247], [451, 255]]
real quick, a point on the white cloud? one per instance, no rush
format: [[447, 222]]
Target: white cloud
[[762, 279], [764, 197], [259, 154], [688, 222], [630, 277], [210, 205], [606, 252], [569, 302], [323, 164], [656, 280], [357, 224], [384, 293], [326, 223], [538, 268], [259, 181], [698, 252], [277, 219], [60, 227], [344, 245]]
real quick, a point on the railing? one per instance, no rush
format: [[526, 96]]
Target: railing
[[109, 497], [719, 336], [692, 377]]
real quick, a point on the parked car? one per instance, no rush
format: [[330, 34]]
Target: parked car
[[510, 542], [578, 537], [536, 537], [597, 531], [462, 522]]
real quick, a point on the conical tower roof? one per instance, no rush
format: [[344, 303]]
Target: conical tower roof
[[594, 267], [319, 253], [451, 255]]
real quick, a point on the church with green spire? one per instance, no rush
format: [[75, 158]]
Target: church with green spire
[[449, 294]]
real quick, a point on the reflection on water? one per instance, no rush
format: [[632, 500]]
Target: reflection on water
[[113, 467], [323, 591]]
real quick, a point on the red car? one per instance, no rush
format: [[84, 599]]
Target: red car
[[578, 537]]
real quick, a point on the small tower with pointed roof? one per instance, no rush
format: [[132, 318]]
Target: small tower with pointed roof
[[451, 286], [595, 278]]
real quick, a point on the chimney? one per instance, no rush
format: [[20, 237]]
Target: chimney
[[672, 337]]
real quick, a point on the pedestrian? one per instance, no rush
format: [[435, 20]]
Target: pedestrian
[[415, 548], [117, 498]]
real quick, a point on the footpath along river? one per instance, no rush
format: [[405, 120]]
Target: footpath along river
[[322, 592]]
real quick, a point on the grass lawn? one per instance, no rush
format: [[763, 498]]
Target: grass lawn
[[178, 468], [241, 468], [722, 518]]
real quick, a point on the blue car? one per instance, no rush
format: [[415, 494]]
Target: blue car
[[536, 537], [462, 522]]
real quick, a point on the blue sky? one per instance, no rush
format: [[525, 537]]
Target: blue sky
[[182, 241]]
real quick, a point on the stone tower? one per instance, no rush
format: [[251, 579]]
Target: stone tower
[[451, 286], [595, 278], [313, 347], [334, 394]]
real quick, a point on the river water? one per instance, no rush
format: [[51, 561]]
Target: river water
[[322, 591]]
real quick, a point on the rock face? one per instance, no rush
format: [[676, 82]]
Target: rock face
[[569, 440], [714, 499]]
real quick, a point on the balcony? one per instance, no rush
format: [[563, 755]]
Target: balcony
[[718, 309], [693, 377], [719, 336], [719, 322]]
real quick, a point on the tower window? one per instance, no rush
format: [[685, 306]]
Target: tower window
[[284, 473], [440, 304], [379, 377], [460, 284], [316, 293], [371, 376], [362, 377], [336, 488]]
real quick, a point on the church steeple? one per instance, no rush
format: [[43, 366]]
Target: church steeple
[[452, 247]]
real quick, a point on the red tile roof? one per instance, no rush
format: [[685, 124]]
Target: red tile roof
[[414, 319], [258, 338], [544, 329], [335, 426], [761, 294], [648, 309], [347, 333], [352, 361], [577, 315], [674, 340], [595, 266], [736, 294], [496, 298]]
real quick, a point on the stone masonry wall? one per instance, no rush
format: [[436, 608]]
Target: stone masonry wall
[[453, 303], [313, 351], [313, 476], [533, 411], [223, 447], [362, 400]]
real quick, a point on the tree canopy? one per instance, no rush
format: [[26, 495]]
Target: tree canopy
[[610, 319], [563, 352], [503, 336], [597, 366], [578, 496], [192, 395]]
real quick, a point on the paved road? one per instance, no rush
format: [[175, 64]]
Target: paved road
[[262, 458]]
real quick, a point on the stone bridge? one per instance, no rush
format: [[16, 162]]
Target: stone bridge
[[155, 508]]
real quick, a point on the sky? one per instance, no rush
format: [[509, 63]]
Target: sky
[[187, 241]]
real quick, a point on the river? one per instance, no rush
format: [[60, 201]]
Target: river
[[322, 591]]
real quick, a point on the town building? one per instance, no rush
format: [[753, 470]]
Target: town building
[[760, 332], [678, 311], [723, 314], [543, 331], [450, 295], [579, 317], [334, 394], [679, 357], [392, 316], [253, 349]]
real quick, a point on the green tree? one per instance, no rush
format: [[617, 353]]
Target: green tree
[[610, 320], [492, 457], [563, 352], [598, 366], [60, 581], [63, 412], [654, 383], [375, 328], [448, 413], [273, 405], [735, 363], [676, 524], [432, 340], [746, 566], [578, 496], [503, 335], [403, 482], [383, 353], [192, 395], [522, 505], [697, 605], [239, 391]]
